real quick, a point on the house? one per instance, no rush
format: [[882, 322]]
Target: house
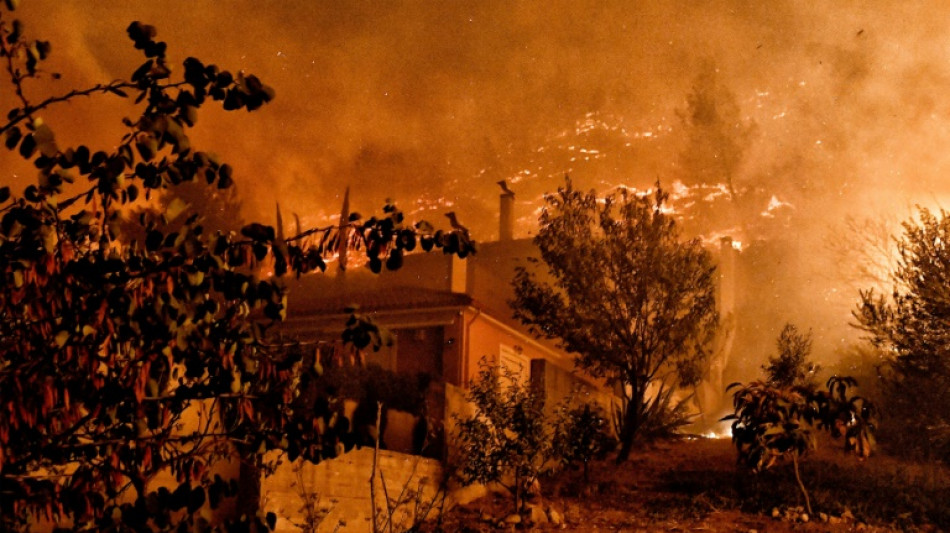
[[446, 316]]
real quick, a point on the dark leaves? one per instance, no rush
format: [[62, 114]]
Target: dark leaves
[[12, 137], [258, 232], [141, 34]]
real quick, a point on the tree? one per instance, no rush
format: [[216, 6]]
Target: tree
[[216, 210], [108, 349], [772, 422], [717, 137], [581, 434], [910, 327], [506, 440], [790, 366], [619, 289]]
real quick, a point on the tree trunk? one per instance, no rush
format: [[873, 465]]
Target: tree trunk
[[801, 485], [249, 483], [628, 429], [517, 493]]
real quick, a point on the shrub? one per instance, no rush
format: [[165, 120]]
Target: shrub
[[790, 366], [773, 423], [506, 441], [581, 434]]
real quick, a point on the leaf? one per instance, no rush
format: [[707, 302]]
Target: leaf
[[61, 338], [45, 140], [50, 238], [174, 209], [116, 91], [147, 147], [394, 261], [375, 265], [224, 176], [4, 194], [195, 278], [153, 241], [258, 232], [28, 146], [196, 499], [12, 137]]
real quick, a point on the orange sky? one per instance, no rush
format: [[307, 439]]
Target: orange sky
[[432, 102], [415, 99]]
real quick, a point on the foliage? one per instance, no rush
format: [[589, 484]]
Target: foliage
[[790, 366], [408, 508], [672, 414], [372, 382], [771, 423], [619, 289], [716, 137], [910, 328], [581, 434], [123, 360], [369, 385], [506, 440], [313, 510], [216, 210]]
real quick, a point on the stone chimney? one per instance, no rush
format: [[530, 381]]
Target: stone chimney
[[506, 221], [458, 274], [727, 275]]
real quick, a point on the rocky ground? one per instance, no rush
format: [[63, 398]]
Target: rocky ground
[[695, 485]]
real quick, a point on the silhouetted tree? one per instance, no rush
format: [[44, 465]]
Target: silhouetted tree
[[911, 327], [105, 348], [716, 136], [581, 434], [619, 289], [506, 440], [772, 423], [790, 366], [216, 210]]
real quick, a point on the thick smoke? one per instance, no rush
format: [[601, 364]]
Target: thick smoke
[[840, 106]]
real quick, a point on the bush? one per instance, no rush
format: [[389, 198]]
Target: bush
[[909, 325], [507, 440], [774, 423], [790, 366], [581, 434]]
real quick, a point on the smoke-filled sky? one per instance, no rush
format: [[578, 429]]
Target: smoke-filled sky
[[842, 104]]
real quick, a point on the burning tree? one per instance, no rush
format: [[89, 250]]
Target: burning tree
[[910, 327], [123, 360], [633, 302]]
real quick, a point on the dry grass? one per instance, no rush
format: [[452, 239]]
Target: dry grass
[[695, 485]]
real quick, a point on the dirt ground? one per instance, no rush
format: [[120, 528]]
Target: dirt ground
[[686, 485]]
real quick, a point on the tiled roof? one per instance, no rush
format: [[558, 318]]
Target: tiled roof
[[383, 299]]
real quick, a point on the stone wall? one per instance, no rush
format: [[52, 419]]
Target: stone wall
[[338, 490]]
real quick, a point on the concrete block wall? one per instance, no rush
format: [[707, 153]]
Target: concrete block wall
[[343, 488]]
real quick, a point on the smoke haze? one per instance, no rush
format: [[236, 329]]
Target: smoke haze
[[431, 103]]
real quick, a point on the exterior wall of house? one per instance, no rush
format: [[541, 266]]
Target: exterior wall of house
[[492, 341], [419, 351]]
